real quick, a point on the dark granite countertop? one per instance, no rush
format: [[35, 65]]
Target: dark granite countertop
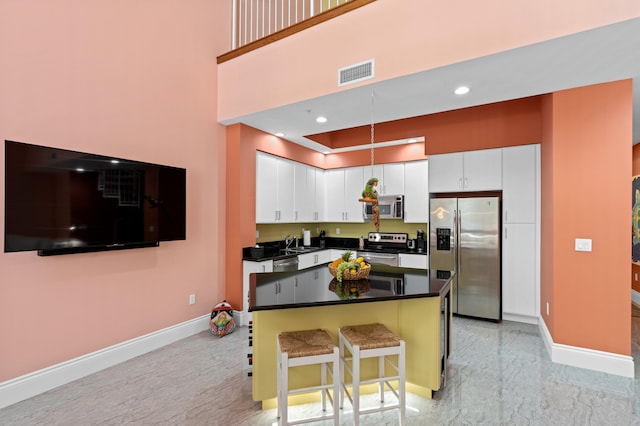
[[275, 250], [317, 287]]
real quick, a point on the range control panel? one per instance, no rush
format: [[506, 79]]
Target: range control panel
[[388, 237]]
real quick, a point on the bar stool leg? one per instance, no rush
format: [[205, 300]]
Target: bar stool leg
[[283, 403], [355, 383], [401, 385], [381, 374], [342, 361], [323, 392], [336, 388]]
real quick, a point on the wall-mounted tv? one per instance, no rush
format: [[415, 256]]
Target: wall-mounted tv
[[60, 202]]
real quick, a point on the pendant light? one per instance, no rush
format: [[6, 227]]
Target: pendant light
[[369, 194]]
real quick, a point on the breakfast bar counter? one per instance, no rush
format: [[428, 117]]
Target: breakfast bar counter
[[415, 304]]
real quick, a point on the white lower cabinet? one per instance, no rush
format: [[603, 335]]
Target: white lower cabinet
[[519, 292], [249, 267], [418, 261], [312, 259]]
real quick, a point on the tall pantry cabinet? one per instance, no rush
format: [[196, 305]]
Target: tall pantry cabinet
[[520, 233]]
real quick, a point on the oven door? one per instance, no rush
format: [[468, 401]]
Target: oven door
[[389, 259]]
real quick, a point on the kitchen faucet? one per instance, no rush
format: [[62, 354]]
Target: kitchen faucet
[[289, 239]]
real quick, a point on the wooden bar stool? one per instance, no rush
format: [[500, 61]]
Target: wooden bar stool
[[308, 347], [372, 341]]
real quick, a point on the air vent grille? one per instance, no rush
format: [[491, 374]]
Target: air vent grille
[[355, 73]]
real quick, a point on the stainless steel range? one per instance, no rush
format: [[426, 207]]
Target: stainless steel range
[[383, 247]]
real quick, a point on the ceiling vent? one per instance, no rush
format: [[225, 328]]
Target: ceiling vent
[[355, 73]]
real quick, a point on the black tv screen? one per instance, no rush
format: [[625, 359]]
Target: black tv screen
[[59, 201]]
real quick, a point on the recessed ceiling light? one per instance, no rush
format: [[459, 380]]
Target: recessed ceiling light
[[114, 161], [280, 134], [321, 119], [79, 170], [461, 90]]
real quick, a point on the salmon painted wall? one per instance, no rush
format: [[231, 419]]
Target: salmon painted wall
[[484, 126], [586, 195], [359, 35], [134, 80], [635, 268]]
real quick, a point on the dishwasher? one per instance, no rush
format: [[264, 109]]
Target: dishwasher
[[285, 264]]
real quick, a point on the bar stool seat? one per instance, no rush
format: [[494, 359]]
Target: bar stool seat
[[307, 347], [372, 341]]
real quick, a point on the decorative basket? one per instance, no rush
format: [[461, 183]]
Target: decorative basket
[[348, 276]]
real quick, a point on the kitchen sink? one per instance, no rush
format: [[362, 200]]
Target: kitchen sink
[[295, 250]]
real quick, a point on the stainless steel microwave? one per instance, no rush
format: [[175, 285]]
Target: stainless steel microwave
[[390, 207]]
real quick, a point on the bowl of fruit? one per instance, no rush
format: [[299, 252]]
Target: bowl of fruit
[[344, 268]]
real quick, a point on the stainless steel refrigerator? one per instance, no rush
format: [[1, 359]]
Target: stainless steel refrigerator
[[464, 236]]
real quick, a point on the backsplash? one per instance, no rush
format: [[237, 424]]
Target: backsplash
[[275, 232]]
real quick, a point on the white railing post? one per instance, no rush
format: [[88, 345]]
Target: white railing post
[[255, 19]]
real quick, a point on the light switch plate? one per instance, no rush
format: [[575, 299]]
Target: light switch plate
[[583, 244]]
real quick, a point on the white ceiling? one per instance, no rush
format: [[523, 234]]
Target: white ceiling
[[605, 54]]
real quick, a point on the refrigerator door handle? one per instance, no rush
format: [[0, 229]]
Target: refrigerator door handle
[[457, 221]]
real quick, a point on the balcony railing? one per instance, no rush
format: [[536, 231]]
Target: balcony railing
[[259, 22]]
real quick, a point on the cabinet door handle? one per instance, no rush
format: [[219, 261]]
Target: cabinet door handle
[[296, 216], [466, 182], [264, 268], [460, 183], [506, 215], [505, 232]]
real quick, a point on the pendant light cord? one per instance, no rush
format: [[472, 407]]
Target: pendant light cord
[[372, 133]]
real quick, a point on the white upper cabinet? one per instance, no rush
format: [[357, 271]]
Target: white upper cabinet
[[466, 171], [318, 215], [390, 178], [416, 192], [342, 192], [301, 195], [353, 184], [274, 189], [519, 183], [334, 202], [307, 203]]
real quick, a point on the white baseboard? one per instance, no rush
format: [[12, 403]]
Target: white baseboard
[[242, 317], [605, 362], [527, 319], [32, 384]]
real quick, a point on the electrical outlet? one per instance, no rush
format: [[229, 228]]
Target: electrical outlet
[[337, 231], [257, 234], [547, 308], [635, 276], [192, 299]]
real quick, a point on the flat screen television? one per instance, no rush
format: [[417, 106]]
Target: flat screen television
[[60, 202]]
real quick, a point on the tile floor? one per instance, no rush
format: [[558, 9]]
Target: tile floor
[[499, 374]]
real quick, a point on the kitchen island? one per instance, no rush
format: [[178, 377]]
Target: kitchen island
[[414, 304]]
